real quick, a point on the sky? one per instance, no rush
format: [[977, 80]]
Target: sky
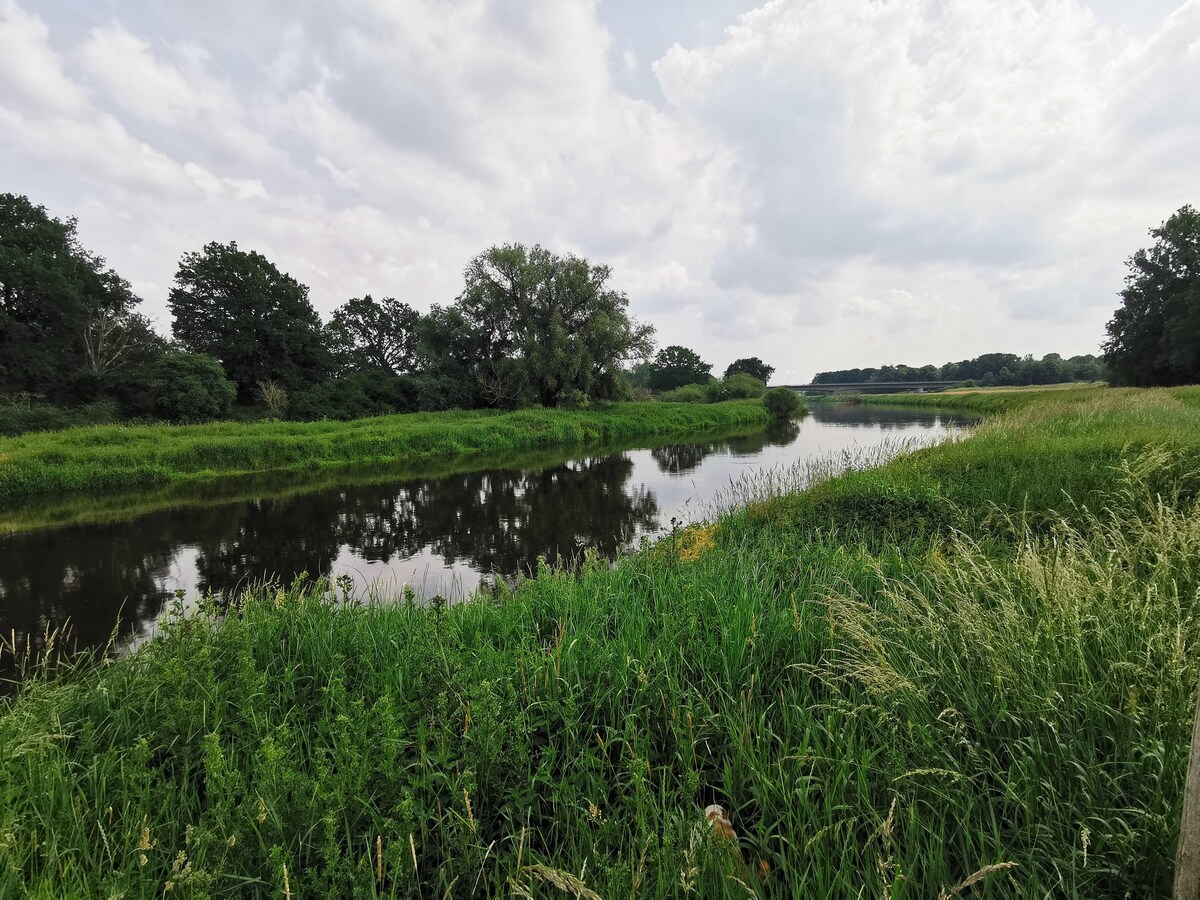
[[821, 183]]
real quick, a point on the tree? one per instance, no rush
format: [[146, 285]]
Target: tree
[[192, 387], [1154, 337], [51, 291], [752, 366], [449, 351], [552, 327], [365, 333], [676, 366], [236, 306]]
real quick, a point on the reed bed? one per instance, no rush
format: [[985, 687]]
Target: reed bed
[[131, 456], [897, 683]]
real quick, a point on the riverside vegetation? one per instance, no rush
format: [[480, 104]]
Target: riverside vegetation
[[124, 456], [969, 671]]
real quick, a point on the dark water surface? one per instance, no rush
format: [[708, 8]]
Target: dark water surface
[[440, 533]]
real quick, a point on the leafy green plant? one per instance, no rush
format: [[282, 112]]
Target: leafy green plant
[[192, 387], [741, 386], [689, 393], [784, 403]]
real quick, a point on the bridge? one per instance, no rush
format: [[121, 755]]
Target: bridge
[[875, 387]]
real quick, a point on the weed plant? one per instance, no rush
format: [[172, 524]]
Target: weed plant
[[947, 676]]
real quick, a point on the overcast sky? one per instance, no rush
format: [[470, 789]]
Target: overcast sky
[[822, 183]]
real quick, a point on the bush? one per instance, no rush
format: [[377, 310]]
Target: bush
[[689, 393], [22, 413], [357, 396], [715, 391], [192, 387], [784, 403], [741, 386]]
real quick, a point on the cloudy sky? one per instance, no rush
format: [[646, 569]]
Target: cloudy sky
[[822, 183]]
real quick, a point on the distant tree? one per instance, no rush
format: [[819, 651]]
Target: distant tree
[[1154, 337], [675, 366], [119, 341], [51, 292], [449, 350], [552, 325], [192, 387], [236, 306], [366, 333], [752, 366], [639, 374]]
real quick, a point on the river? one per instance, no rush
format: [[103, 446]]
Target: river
[[444, 534]]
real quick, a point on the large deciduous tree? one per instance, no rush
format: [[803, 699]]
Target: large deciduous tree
[[676, 366], [52, 292], [236, 306], [752, 366], [551, 327], [1154, 337], [366, 333]]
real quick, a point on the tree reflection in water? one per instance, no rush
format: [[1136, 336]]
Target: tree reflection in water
[[493, 522]]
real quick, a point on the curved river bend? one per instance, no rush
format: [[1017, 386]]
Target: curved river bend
[[441, 534]]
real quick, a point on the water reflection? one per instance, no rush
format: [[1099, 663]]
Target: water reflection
[[675, 459], [430, 531]]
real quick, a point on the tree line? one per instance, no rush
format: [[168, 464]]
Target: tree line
[[530, 327], [986, 370]]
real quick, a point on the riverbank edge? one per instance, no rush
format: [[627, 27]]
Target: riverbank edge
[[111, 457], [776, 661], [38, 512]]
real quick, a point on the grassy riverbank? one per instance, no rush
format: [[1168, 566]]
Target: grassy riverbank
[[907, 680], [115, 456]]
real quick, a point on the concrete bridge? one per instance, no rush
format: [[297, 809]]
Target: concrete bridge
[[875, 387]]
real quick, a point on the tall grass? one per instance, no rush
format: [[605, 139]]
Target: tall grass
[[108, 457], [895, 688]]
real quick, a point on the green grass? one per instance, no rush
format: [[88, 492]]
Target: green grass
[[897, 681], [991, 400], [115, 456], [36, 511]]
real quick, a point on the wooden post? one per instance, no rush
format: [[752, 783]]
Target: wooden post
[[1187, 856]]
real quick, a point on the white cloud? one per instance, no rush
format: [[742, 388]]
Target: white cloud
[[826, 183]]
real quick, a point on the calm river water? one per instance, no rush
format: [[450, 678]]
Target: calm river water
[[441, 534]]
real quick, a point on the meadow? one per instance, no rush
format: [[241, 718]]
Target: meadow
[[106, 457], [969, 671]]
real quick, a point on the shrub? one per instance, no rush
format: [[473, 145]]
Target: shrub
[[715, 391], [357, 396], [689, 393], [740, 386], [22, 413], [784, 403], [192, 387], [274, 397]]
